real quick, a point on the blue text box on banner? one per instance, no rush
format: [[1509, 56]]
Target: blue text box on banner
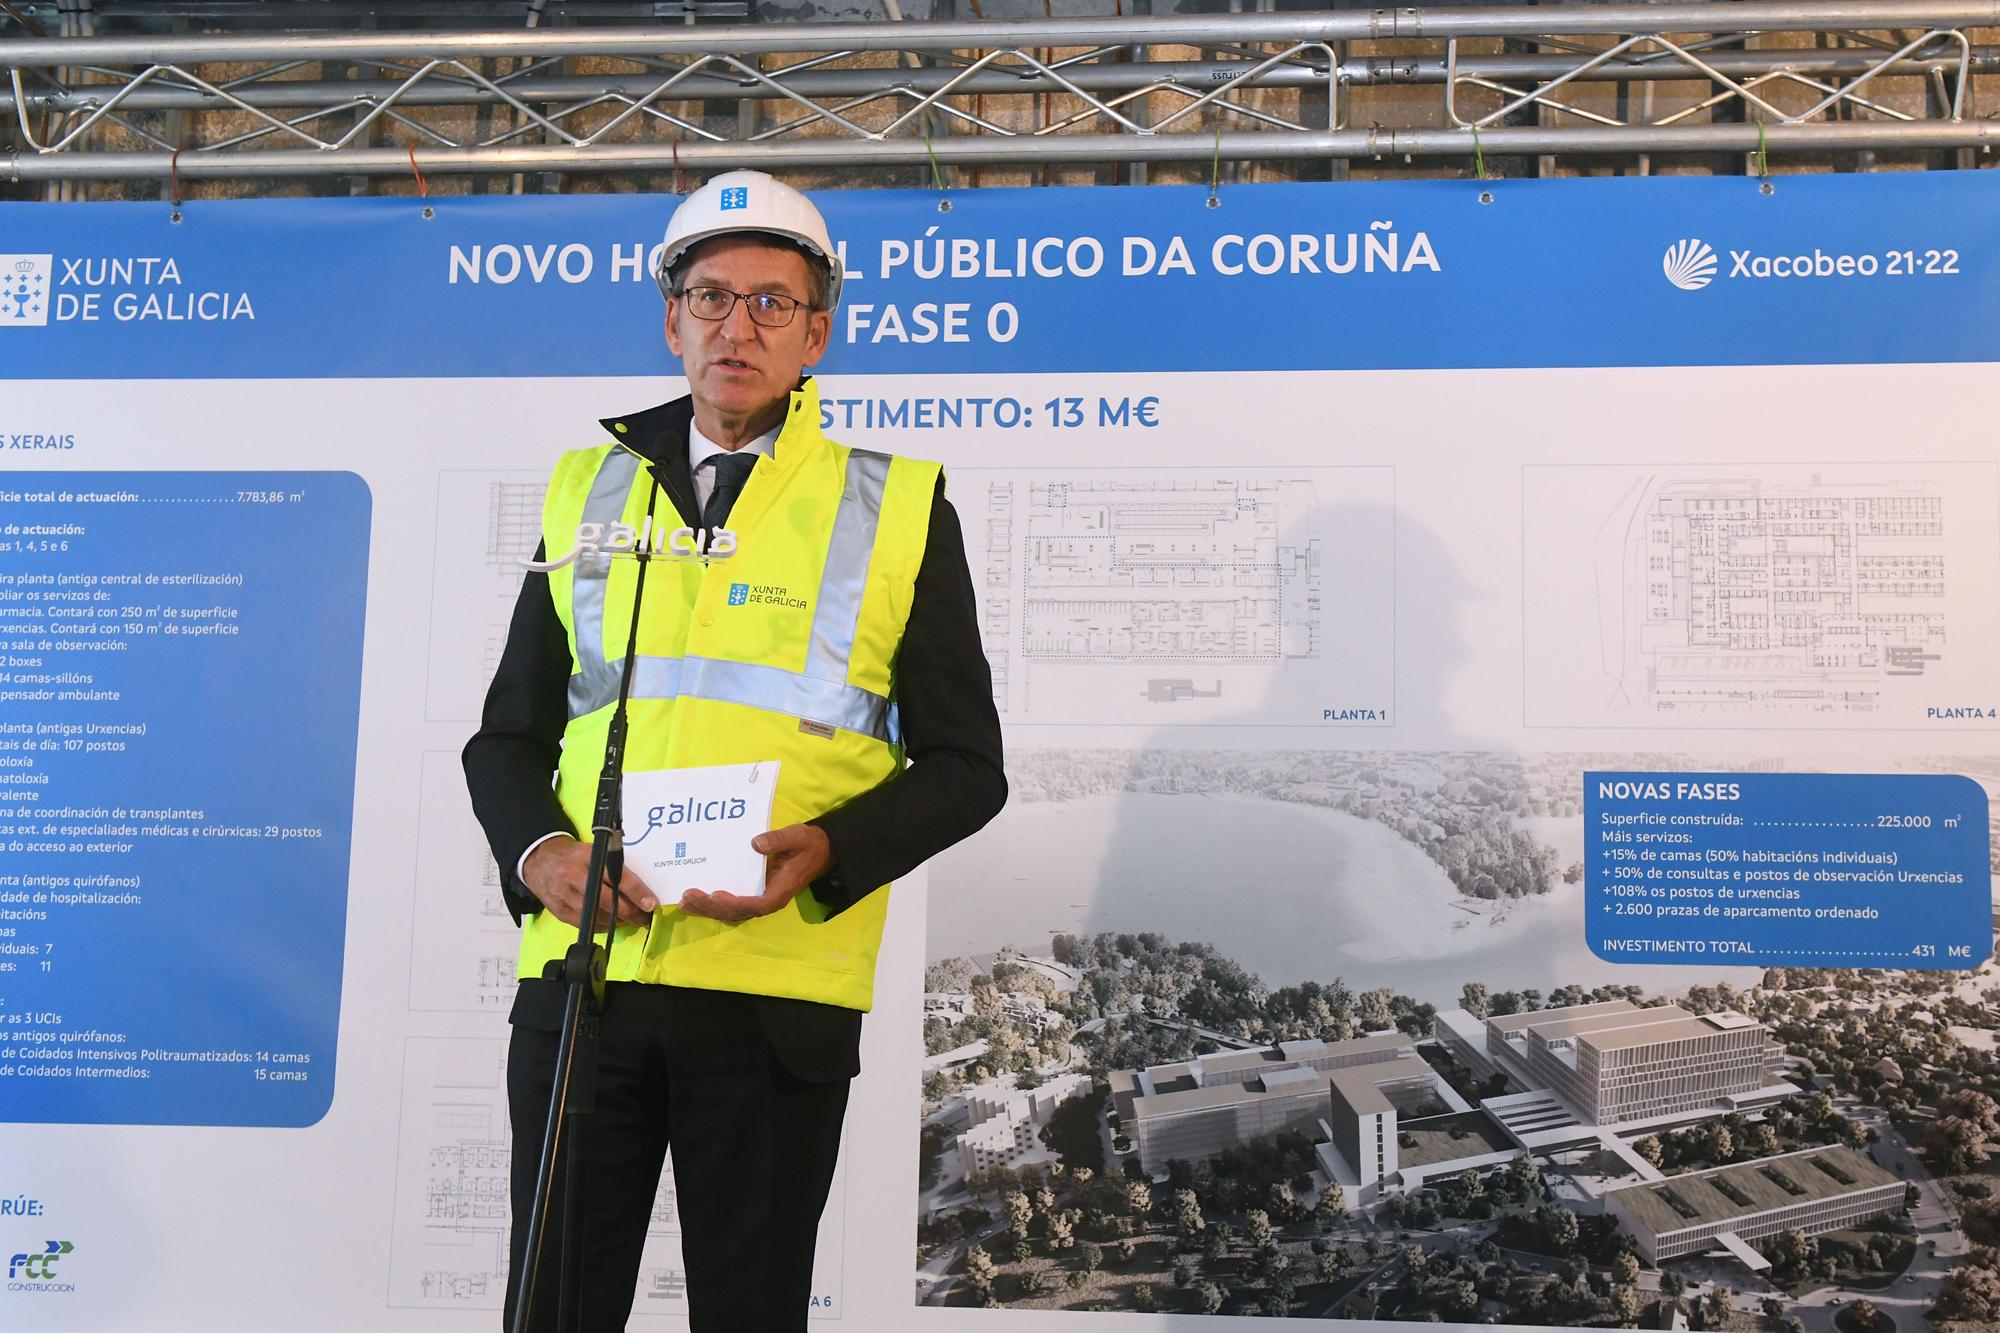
[[1795, 869], [178, 714]]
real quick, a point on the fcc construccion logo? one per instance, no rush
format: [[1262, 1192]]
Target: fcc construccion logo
[[1689, 265], [35, 1270]]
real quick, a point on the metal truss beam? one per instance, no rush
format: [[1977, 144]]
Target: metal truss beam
[[1526, 22], [1265, 87], [1238, 146], [1362, 72]]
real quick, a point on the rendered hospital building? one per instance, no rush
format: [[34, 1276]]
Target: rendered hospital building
[[1206, 1105], [1815, 1190], [1006, 1124], [1383, 1117], [1349, 1096], [1615, 1063]]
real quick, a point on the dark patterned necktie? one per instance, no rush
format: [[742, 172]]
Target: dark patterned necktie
[[731, 471]]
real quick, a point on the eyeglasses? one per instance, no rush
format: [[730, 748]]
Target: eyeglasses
[[771, 310]]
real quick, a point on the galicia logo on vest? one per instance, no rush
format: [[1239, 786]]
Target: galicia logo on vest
[[655, 543], [691, 811]]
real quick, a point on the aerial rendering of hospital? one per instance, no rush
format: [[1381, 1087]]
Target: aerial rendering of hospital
[[1582, 1073], [1616, 1063]]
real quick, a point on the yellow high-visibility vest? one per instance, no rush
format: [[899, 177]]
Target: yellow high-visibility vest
[[784, 650]]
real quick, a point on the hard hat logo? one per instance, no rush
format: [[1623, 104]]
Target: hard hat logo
[[749, 201]]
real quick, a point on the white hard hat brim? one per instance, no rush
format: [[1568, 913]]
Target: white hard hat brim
[[682, 246]]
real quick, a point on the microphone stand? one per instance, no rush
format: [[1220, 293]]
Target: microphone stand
[[574, 1097]]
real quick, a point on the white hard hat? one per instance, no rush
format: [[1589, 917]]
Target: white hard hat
[[738, 201]]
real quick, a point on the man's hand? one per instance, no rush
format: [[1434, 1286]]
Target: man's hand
[[794, 857], [556, 871]]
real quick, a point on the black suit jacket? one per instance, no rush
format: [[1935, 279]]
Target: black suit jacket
[[943, 691]]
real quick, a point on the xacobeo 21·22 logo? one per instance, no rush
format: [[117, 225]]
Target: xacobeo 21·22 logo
[[1689, 265]]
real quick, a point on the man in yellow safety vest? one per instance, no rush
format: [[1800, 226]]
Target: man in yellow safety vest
[[731, 1023]]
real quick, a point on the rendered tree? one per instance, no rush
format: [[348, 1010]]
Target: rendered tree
[[1257, 1227], [1722, 1144], [1969, 1293], [1524, 1177], [1560, 1227], [1188, 1221], [1956, 1143], [980, 1269], [1974, 1105], [1793, 1249], [1019, 1212], [1062, 1230], [1216, 1248]]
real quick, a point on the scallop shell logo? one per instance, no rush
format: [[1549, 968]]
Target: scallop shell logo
[[1689, 265]]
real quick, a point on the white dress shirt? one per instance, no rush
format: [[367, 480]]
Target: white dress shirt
[[701, 449]]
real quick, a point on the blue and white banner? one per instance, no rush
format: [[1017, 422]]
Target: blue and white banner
[[1436, 275], [1503, 711]]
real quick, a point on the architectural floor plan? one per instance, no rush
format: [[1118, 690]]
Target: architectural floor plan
[[1832, 595], [487, 523], [1154, 595], [463, 942], [452, 1213]]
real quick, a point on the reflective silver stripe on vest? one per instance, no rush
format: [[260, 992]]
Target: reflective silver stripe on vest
[[837, 612], [596, 678], [753, 685], [820, 694]]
